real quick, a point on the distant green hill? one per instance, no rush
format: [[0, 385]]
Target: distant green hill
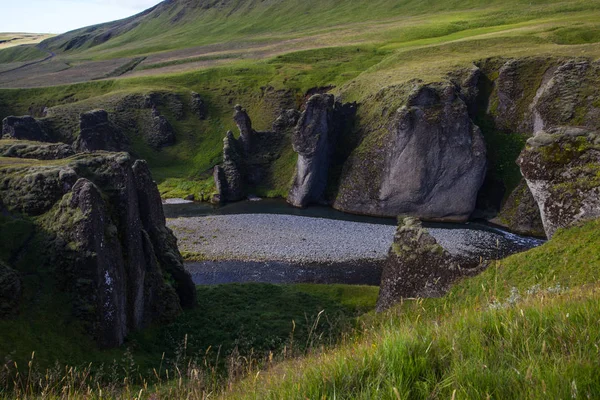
[[175, 24]]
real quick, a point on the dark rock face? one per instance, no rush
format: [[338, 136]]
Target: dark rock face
[[313, 140], [199, 106], [161, 133], [287, 120], [107, 239], [418, 267], [520, 213], [558, 98], [430, 161], [561, 168], [23, 128], [10, 291], [38, 151], [228, 176], [244, 124], [248, 161], [98, 133]]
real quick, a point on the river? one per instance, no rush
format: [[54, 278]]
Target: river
[[269, 241]]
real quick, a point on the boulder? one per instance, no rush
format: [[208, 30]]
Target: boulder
[[428, 160], [96, 133], [23, 128], [562, 169], [417, 266], [313, 140], [10, 291], [108, 244]]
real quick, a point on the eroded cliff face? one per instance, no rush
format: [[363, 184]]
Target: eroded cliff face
[[96, 132], [533, 97], [562, 169], [100, 218], [426, 158], [248, 160], [313, 141]]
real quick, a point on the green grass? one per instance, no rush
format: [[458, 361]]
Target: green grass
[[523, 329], [21, 54], [359, 49], [245, 320]]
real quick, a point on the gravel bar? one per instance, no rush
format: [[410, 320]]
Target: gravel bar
[[290, 238]]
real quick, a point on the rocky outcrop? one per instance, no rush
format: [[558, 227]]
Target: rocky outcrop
[[249, 162], [36, 150], [427, 160], [96, 133], [228, 176], [562, 169], [417, 266], [107, 242], [23, 128], [520, 213], [244, 124], [287, 120], [313, 140], [10, 291], [161, 133], [199, 106]]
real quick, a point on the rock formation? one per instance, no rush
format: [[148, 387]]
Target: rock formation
[[428, 160], [244, 124], [228, 176], [248, 161], [96, 133], [106, 240], [161, 133], [562, 169], [288, 119], [23, 128], [417, 266], [313, 140], [199, 106]]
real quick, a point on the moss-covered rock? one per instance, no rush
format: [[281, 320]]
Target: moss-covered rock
[[417, 266], [35, 150], [97, 132], [562, 169], [23, 128], [100, 215], [420, 155], [520, 213]]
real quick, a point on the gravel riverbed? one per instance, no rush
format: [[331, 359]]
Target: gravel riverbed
[[299, 239]]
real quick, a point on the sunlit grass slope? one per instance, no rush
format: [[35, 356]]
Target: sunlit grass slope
[[526, 328]]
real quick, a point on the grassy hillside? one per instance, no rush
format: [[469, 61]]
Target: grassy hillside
[[182, 23], [526, 328], [232, 324]]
